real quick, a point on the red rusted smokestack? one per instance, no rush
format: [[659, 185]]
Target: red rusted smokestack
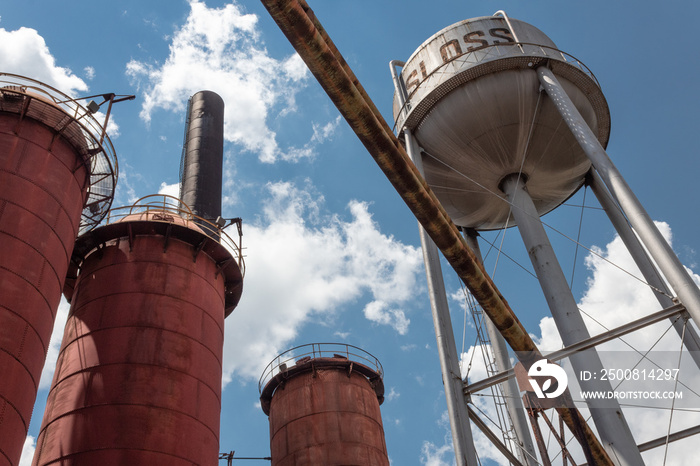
[[48, 155], [138, 378], [323, 404]]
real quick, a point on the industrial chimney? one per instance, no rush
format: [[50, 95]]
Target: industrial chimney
[[323, 403], [57, 176], [138, 377], [202, 155]]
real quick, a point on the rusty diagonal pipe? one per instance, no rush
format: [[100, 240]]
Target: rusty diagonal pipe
[[308, 37]]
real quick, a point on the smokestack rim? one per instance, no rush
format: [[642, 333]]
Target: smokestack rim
[[313, 356], [167, 216], [77, 125]]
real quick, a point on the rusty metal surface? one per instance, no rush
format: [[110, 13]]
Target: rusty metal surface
[[73, 123], [169, 217], [138, 377], [297, 22], [43, 183], [325, 411], [308, 358]]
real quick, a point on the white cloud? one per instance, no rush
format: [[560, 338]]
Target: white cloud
[[112, 126], [89, 73], [613, 297], [433, 455], [126, 192], [392, 395], [170, 189], [220, 49], [55, 344], [443, 455], [377, 312], [302, 265], [27, 451], [25, 52], [325, 132]]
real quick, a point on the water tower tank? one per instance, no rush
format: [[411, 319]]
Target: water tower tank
[[323, 403], [474, 105]]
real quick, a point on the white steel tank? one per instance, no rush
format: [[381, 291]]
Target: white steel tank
[[474, 105]]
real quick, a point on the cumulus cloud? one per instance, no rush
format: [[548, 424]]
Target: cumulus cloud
[[439, 455], [55, 344], [378, 312], [220, 49], [303, 265], [27, 451], [25, 52], [434, 455], [170, 189]]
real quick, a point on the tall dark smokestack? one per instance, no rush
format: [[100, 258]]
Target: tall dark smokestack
[[202, 155]]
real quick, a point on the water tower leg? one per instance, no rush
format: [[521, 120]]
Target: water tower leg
[[511, 393], [462, 439], [669, 264], [651, 275], [614, 432]]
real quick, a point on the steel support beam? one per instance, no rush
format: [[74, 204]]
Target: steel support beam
[[659, 249], [613, 429], [669, 313], [494, 438], [510, 390], [646, 266], [462, 439], [680, 435]]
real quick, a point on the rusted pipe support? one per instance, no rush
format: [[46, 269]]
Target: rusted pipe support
[[295, 21], [299, 24]]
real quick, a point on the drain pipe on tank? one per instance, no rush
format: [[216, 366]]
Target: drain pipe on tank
[[510, 26]]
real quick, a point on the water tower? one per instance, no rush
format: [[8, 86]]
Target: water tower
[[498, 151], [57, 175]]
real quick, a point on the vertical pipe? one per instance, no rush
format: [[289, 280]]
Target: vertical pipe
[[511, 393], [202, 155], [669, 264], [615, 434], [462, 439], [646, 267]]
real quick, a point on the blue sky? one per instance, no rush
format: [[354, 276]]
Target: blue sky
[[332, 252]]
